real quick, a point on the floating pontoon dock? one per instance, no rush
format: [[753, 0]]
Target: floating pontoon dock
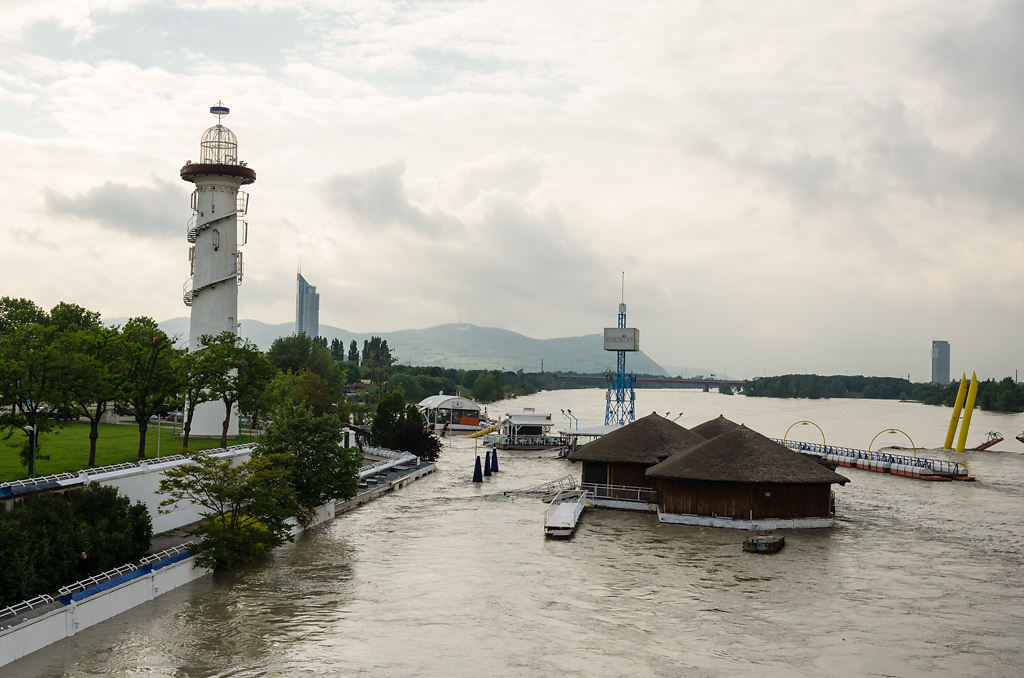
[[564, 512], [883, 462]]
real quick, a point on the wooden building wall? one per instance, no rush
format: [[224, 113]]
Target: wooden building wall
[[630, 475], [745, 500]]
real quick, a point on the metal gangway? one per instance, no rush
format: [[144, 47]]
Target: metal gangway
[[853, 455], [550, 488], [992, 438]]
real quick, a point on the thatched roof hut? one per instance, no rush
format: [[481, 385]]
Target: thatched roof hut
[[743, 475], [744, 456], [714, 427], [623, 456]]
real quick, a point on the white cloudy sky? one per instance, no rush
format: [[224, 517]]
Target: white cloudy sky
[[788, 186]]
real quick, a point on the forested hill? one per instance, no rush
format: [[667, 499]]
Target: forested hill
[[461, 346], [995, 396]]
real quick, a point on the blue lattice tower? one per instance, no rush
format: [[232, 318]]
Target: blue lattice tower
[[620, 408]]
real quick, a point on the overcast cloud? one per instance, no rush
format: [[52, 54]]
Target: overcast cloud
[[788, 186]]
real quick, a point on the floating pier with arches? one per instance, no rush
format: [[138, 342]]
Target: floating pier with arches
[[908, 466]]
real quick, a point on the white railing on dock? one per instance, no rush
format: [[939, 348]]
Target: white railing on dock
[[168, 553], [38, 480], [851, 453], [95, 580], [564, 510], [621, 492], [525, 441], [25, 606]]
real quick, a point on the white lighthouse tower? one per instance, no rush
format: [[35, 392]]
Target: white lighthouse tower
[[215, 232]]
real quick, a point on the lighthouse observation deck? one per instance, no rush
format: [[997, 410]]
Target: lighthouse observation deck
[[218, 153]]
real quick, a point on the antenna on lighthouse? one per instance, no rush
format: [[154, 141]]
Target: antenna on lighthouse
[[220, 110]]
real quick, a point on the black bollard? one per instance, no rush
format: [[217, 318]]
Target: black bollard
[[478, 476], [494, 460], [487, 464]]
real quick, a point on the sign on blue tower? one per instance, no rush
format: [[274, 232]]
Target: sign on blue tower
[[620, 407]]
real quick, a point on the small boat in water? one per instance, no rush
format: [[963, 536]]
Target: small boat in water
[[764, 543]]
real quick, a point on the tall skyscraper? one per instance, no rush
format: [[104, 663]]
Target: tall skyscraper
[[307, 308], [940, 362]]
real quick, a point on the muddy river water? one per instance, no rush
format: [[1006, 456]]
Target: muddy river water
[[448, 578]]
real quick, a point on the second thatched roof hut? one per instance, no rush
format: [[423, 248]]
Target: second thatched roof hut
[[741, 478], [714, 427]]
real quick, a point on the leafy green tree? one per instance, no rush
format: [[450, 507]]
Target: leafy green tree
[[15, 313], [377, 365], [290, 354], [67, 317], [244, 506], [255, 373], [33, 384], [416, 438], [233, 360], [391, 414], [298, 352], [313, 392], [93, 369], [488, 387], [338, 349], [115, 530], [151, 372], [399, 425], [40, 540], [196, 379], [409, 385], [353, 352], [320, 469]]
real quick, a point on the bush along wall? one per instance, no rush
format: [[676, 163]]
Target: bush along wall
[[41, 540]]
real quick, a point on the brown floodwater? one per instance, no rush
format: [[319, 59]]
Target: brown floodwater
[[448, 578]]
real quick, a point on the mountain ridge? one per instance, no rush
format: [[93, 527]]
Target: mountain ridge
[[457, 345]]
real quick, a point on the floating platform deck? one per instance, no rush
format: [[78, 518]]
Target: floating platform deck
[[907, 466], [563, 513]]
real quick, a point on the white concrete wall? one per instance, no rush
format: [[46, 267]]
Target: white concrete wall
[[738, 524], [35, 634], [142, 483]]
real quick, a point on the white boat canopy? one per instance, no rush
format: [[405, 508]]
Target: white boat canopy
[[529, 418], [448, 402]]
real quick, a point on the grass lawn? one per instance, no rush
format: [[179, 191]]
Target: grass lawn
[[68, 448]]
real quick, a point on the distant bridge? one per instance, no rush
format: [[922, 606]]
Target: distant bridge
[[706, 384]]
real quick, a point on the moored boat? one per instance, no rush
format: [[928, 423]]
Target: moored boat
[[764, 543], [525, 430]]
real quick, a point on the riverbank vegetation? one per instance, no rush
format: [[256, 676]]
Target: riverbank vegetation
[[244, 506], [994, 396], [41, 540]]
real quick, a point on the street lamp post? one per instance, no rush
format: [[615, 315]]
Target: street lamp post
[[31, 430]]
